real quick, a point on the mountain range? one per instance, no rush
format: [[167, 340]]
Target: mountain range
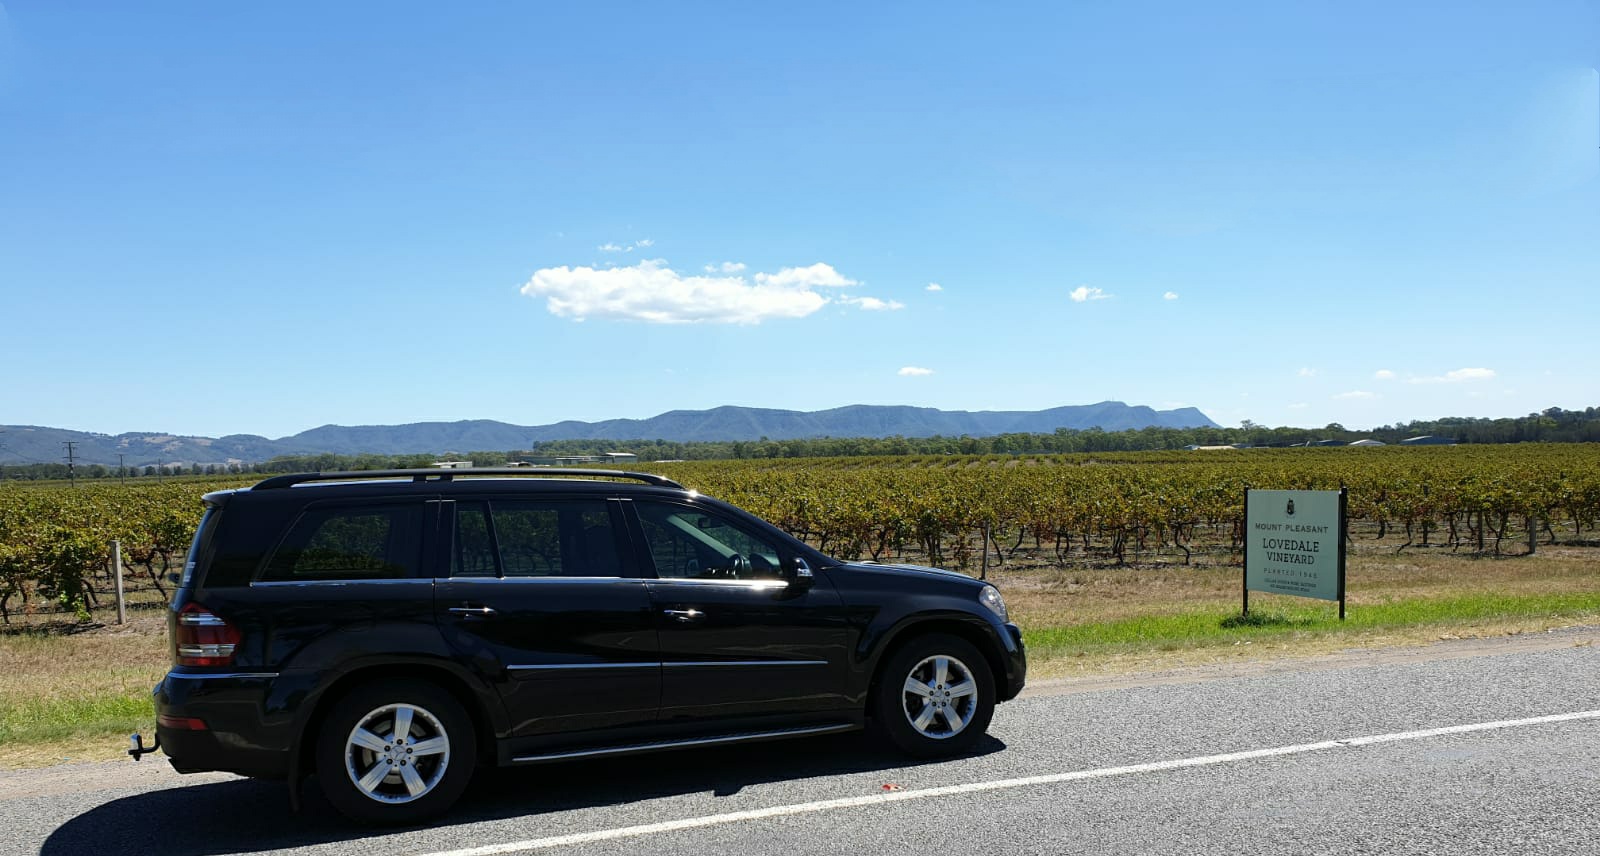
[[21, 444]]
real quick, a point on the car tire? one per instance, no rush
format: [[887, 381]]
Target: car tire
[[934, 696], [373, 776]]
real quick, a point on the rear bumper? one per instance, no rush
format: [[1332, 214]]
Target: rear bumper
[[241, 733]]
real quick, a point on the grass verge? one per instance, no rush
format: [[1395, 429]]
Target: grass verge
[[1209, 628], [77, 696]]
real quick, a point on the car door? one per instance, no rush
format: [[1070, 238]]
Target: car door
[[342, 583], [543, 601], [737, 639]]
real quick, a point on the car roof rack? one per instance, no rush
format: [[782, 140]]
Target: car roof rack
[[437, 474]]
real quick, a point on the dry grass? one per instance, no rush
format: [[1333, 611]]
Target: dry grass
[[77, 695], [1054, 597]]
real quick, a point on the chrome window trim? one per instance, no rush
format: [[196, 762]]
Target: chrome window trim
[[220, 675], [541, 667], [751, 584], [697, 663], [433, 580], [524, 580], [341, 582]]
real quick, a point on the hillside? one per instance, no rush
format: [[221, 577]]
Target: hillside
[[25, 444]]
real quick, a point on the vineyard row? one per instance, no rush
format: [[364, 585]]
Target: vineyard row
[[948, 510]]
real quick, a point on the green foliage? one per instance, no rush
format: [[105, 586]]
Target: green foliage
[[34, 719], [944, 509], [54, 539], [67, 558]]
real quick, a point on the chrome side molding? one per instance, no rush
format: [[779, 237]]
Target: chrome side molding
[[746, 737]]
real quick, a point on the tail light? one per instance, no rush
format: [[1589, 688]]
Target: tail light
[[181, 723], [203, 638]]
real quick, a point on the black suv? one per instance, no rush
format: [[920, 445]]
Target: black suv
[[393, 630]]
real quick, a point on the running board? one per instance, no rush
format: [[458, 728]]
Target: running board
[[720, 740]]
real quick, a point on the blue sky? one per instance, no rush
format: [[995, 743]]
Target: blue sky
[[260, 218]]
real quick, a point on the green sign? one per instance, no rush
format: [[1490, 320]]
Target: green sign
[[1294, 543]]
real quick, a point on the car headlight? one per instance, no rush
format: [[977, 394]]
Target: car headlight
[[990, 597]]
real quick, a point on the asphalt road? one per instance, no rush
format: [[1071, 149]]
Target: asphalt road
[[1269, 762]]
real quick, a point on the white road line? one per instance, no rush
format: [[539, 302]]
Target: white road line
[[995, 785]]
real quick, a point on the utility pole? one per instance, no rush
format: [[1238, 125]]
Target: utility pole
[[71, 458], [122, 471]]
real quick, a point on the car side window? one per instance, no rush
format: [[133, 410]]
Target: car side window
[[474, 554], [530, 539], [546, 538], [690, 543], [349, 543]]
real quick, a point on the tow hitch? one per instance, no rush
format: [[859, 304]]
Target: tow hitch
[[137, 749]]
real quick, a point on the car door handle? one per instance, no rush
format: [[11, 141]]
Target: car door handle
[[472, 612], [684, 616]]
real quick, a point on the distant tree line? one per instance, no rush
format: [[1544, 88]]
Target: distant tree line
[[1550, 426], [40, 472]]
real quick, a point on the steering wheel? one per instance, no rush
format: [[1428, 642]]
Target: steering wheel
[[740, 566]]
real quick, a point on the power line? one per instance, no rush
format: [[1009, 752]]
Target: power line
[[22, 456]]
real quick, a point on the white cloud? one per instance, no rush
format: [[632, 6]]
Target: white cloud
[[1298, 405], [1457, 376], [610, 247], [872, 304], [915, 371], [1171, 295], [614, 247], [934, 286], [1356, 394], [1383, 374], [1307, 372], [650, 291], [726, 267], [814, 276], [1084, 293], [645, 242]]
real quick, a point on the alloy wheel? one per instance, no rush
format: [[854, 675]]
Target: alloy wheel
[[397, 753], [940, 697]]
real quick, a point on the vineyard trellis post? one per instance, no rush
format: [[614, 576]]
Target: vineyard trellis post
[[116, 562]]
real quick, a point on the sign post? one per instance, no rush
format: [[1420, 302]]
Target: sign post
[[1295, 543]]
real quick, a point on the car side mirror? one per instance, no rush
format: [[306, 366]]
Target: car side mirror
[[798, 573]]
